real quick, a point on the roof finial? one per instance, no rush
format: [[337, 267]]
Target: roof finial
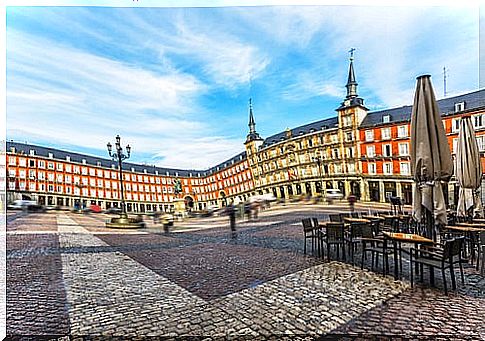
[[351, 51]]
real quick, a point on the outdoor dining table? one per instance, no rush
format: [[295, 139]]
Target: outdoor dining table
[[403, 238], [471, 225], [355, 220], [373, 217]]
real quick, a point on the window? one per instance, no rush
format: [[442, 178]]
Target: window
[[351, 168], [51, 155], [59, 167], [404, 168], [369, 135], [371, 168], [455, 125], [50, 188], [92, 171], [310, 143], [403, 149], [41, 164], [350, 152], [68, 168], [371, 151], [22, 162], [335, 153], [31, 152], [481, 143], [478, 121], [347, 121], [387, 168], [385, 133], [386, 118], [459, 106], [31, 163], [402, 131], [50, 176], [387, 150], [84, 171], [50, 165], [31, 174], [349, 136], [22, 174], [12, 161]]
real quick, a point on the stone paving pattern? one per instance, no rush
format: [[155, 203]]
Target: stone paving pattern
[[68, 274]]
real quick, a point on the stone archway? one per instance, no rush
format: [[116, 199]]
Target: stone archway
[[189, 202]]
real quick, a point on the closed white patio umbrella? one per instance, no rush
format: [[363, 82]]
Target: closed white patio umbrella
[[431, 162], [468, 170]]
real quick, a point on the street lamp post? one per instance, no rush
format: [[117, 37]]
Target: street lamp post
[[319, 160], [117, 155]]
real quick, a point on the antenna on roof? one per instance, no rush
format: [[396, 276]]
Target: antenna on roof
[[444, 81]]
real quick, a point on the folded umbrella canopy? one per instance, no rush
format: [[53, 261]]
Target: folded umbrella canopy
[[431, 162], [468, 169]]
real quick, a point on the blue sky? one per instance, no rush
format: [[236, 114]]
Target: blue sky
[[175, 82]]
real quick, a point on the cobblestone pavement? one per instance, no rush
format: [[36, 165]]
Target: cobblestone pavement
[[68, 274]]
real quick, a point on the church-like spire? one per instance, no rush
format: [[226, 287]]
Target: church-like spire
[[253, 135], [252, 125], [351, 83]]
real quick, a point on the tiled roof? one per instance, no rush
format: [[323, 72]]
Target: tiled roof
[[235, 159], [104, 162], [325, 124], [473, 100]]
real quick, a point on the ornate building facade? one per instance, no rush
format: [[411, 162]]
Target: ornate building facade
[[357, 151]]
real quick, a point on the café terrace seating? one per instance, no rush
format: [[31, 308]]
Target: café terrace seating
[[443, 257]]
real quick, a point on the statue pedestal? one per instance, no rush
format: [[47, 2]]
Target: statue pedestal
[[179, 209]]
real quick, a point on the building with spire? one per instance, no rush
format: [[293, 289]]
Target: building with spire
[[356, 151]]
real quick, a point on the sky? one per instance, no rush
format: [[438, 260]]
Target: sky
[[174, 83]]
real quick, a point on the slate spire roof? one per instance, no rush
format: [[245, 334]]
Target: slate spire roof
[[351, 82], [253, 135]]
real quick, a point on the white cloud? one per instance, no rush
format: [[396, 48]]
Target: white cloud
[[59, 94]]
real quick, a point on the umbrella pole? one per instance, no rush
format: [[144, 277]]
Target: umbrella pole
[[430, 228]]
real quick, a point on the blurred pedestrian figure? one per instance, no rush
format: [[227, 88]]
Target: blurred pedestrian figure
[[254, 210], [231, 212], [247, 210], [351, 199], [156, 217]]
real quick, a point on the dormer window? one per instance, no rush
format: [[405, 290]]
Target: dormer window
[[68, 158], [144, 171], [51, 155], [459, 106], [31, 152], [386, 118], [98, 163], [84, 161]]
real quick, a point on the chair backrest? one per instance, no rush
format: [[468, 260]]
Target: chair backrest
[[335, 218], [307, 224], [368, 230], [315, 222], [335, 231], [452, 247], [344, 215], [356, 230]]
